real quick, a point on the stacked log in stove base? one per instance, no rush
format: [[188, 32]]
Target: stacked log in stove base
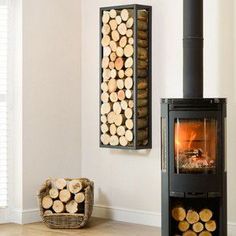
[[125, 90]]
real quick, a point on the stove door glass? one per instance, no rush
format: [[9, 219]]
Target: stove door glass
[[195, 146]]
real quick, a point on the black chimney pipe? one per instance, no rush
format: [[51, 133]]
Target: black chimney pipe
[[193, 49]]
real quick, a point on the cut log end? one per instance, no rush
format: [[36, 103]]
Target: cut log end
[[178, 213], [47, 202]]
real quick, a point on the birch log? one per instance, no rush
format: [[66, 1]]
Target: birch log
[[64, 195], [58, 206], [72, 207], [75, 186], [47, 202], [60, 183]]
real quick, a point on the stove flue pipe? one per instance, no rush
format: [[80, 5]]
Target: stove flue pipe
[[193, 49]]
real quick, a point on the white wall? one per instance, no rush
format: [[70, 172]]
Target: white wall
[[128, 182], [51, 93]]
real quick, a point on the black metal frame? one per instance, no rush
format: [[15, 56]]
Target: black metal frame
[[193, 186], [135, 8]]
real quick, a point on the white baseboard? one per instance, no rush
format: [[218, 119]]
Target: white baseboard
[[231, 229], [24, 217], [128, 215]]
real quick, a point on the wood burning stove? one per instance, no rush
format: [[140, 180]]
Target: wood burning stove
[[194, 193]]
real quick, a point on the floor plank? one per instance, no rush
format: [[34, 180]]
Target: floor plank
[[98, 227]]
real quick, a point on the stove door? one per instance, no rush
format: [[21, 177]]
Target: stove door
[[194, 149]]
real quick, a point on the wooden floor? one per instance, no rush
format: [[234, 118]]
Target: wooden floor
[[96, 227]]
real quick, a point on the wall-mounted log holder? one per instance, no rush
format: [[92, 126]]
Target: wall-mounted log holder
[[125, 77]]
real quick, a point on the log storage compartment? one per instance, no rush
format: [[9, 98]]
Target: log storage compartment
[[125, 77], [66, 203]]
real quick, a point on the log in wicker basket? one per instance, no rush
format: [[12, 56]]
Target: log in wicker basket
[[66, 203]]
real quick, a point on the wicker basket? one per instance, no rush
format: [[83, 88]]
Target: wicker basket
[[67, 220]]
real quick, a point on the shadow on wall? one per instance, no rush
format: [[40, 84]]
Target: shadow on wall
[[132, 153]]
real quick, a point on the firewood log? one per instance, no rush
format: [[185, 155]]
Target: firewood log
[[129, 124], [119, 52], [72, 207], [189, 233], [142, 84], [75, 186], [106, 51], [123, 141], [128, 83], [114, 97], [64, 195], [142, 123], [205, 233], [105, 17], [60, 183], [131, 41], [113, 56], [105, 62], [128, 113], [113, 46], [120, 83], [115, 35], [121, 95], [47, 212], [121, 74], [142, 25], [142, 134], [106, 74], [53, 193], [113, 129], [106, 29], [79, 197], [111, 117], [142, 43], [142, 34], [129, 62], [128, 50], [183, 226], [112, 85], [124, 104], [105, 97], [112, 13], [119, 63], [142, 53], [111, 66], [117, 107], [119, 119], [105, 108], [105, 139], [123, 41], [103, 119], [192, 217], [178, 213], [106, 40], [142, 73], [118, 20], [198, 227], [142, 94], [210, 225], [104, 128], [104, 87], [130, 22], [124, 14], [47, 202], [113, 24], [142, 112], [113, 73], [58, 206], [122, 29], [142, 15], [131, 103], [114, 140], [121, 130], [129, 72], [128, 93], [129, 135], [142, 64], [205, 215], [142, 102], [129, 33]]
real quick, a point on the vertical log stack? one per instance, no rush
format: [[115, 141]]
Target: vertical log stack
[[119, 106]]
